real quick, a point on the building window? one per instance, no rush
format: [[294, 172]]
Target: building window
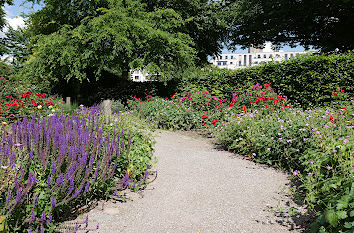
[[220, 57], [265, 55], [239, 63], [231, 63], [226, 57], [250, 59], [136, 77], [259, 56], [270, 55], [286, 56], [277, 55], [224, 63], [256, 62], [291, 55], [232, 57], [219, 63]]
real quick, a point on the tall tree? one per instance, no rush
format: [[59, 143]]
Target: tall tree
[[204, 23], [2, 12], [202, 19], [323, 24], [56, 13], [15, 43], [121, 37]]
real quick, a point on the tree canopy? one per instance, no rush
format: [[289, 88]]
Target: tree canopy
[[121, 37], [2, 12], [324, 24]]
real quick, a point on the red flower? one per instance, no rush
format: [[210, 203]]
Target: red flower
[[266, 106], [204, 116], [214, 121]]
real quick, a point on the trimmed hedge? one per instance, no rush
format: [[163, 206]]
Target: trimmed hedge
[[307, 79]]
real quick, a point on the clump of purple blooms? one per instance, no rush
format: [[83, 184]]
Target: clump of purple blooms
[[50, 162]]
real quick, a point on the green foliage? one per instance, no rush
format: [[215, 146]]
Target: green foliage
[[5, 69], [307, 79], [323, 24], [316, 145], [98, 176], [18, 101], [16, 42], [167, 114], [120, 38]]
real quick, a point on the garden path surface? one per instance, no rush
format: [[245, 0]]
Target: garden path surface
[[200, 188]]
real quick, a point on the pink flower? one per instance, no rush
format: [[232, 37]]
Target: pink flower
[[311, 162], [329, 168], [296, 172]]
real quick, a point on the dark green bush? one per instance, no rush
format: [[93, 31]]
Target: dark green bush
[[307, 79]]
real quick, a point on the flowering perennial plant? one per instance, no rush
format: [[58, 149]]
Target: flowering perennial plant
[[49, 164], [314, 145], [15, 103]]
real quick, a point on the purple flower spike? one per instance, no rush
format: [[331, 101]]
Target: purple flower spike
[[49, 219], [86, 221], [18, 195], [43, 218], [53, 202], [54, 167], [146, 175]]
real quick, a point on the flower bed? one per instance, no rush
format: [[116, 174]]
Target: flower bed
[[51, 165], [16, 103], [314, 145]]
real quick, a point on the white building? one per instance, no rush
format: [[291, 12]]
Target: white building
[[252, 58], [139, 76]]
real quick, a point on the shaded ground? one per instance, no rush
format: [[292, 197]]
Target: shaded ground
[[200, 188]]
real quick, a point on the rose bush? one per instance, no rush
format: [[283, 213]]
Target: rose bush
[[16, 103]]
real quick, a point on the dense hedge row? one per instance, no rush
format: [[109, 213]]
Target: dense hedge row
[[306, 79]]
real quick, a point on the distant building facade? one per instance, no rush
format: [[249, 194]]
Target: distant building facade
[[139, 76], [252, 58]]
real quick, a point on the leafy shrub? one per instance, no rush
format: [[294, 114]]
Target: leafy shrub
[[315, 145], [16, 103], [50, 165], [305, 79]]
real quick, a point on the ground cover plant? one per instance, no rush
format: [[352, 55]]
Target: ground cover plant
[[51, 165], [17, 102], [315, 145]]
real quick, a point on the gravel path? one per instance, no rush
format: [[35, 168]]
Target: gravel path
[[199, 188]]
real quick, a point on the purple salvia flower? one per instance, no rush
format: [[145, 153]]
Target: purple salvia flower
[[115, 192], [123, 144], [8, 198], [86, 221], [33, 217], [146, 175], [59, 181], [44, 217], [53, 202], [50, 218], [54, 167], [71, 186], [18, 195], [125, 181], [87, 187], [42, 228]]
